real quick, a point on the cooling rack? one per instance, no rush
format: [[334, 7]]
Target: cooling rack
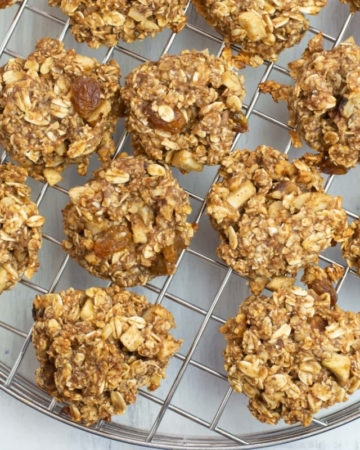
[[194, 408]]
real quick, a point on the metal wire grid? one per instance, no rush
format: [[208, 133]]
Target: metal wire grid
[[15, 385]]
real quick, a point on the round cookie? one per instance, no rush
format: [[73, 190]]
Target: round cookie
[[351, 246], [262, 29], [20, 228], [97, 347], [323, 104], [104, 23], [273, 216], [128, 224], [184, 109], [57, 108], [292, 355]]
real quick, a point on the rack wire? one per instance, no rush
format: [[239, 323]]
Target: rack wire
[[13, 383]]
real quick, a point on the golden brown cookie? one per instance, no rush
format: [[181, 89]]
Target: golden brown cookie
[[104, 23], [57, 108], [323, 104], [20, 228], [97, 347], [263, 29], [184, 109], [273, 216], [292, 355], [128, 224]]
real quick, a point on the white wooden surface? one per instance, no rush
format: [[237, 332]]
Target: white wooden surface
[[195, 281], [22, 428]]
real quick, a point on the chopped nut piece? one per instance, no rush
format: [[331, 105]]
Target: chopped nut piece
[[273, 216], [57, 108], [82, 360], [339, 365], [263, 29], [351, 246], [20, 228], [292, 354], [104, 23], [128, 224], [185, 161], [184, 109], [280, 283], [132, 338], [245, 191], [118, 401], [323, 104], [52, 176]]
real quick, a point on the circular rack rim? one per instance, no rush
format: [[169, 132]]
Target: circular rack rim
[[29, 394]]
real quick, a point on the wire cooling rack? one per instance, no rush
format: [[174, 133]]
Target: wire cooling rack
[[167, 419]]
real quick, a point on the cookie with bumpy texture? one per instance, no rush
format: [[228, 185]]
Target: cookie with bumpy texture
[[263, 29], [292, 355], [57, 108], [128, 224], [273, 216], [323, 104], [104, 23], [184, 109], [97, 347], [20, 228]]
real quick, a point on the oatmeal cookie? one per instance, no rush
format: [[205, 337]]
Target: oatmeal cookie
[[184, 109], [273, 216], [128, 224], [57, 108], [97, 347], [104, 23], [292, 355], [6, 3], [263, 29], [351, 246], [323, 103], [20, 228]]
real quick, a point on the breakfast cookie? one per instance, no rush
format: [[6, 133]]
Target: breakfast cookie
[[128, 224]]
